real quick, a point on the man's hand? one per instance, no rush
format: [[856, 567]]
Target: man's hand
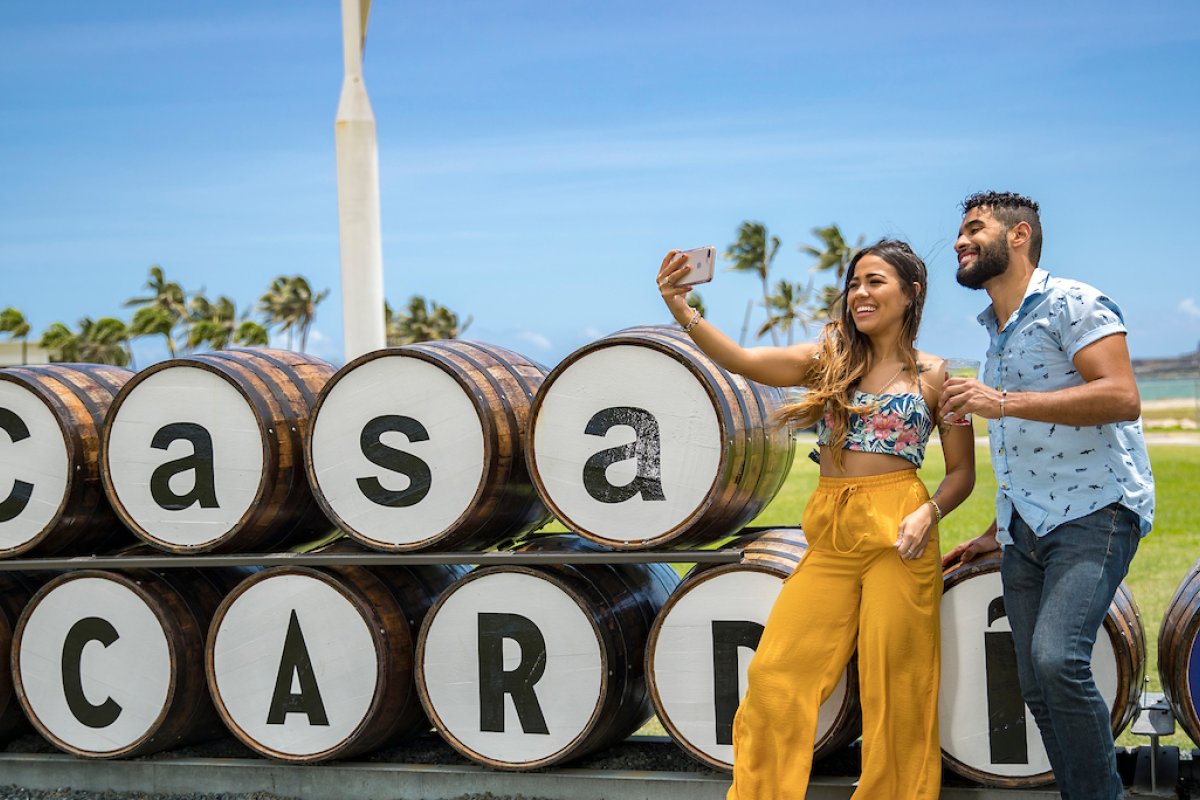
[[969, 551], [962, 396]]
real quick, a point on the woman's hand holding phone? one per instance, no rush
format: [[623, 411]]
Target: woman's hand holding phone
[[683, 269], [701, 263]]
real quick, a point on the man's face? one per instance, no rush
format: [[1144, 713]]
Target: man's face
[[982, 248]]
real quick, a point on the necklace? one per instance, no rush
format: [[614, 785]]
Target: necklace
[[891, 380]]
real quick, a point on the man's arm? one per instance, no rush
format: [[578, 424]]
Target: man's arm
[[1109, 394]]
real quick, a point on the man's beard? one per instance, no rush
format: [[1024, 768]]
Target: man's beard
[[991, 261]]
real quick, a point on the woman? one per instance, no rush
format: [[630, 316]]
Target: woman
[[872, 576]]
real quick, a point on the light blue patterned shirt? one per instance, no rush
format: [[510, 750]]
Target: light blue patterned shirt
[[1053, 473]]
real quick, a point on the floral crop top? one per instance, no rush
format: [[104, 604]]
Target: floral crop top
[[900, 426]]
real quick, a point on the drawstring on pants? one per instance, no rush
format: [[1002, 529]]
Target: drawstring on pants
[[840, 502]]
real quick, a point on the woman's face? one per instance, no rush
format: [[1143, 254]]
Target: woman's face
[[876, 299]]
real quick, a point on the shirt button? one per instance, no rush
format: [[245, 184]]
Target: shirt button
[[1004, 486], [1001, 451]]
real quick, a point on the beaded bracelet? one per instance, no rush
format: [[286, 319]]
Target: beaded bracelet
[[694, 321]]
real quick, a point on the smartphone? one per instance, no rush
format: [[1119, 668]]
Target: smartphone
[[702, 261]]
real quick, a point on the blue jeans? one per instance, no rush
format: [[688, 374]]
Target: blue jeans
[[1057, 590]]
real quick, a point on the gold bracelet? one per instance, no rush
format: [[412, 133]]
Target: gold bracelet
[[694, 321], [1003, 397], [936, 509]]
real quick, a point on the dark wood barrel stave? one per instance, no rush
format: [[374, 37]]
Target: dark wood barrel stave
[[15, 590], [78, 396], [755, 459], [1124, 624], [280, 388], [500, 384], [1124, 632], [619, 601], [1177, 652], [414, 589], [182, 602], [776, 552], [392, 602]]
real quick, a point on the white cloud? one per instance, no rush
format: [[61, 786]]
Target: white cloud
[[534, 338], [1189, 307]]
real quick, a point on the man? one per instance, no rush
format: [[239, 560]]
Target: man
[[1075, 490]]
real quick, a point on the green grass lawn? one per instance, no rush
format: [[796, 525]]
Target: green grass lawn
[[1162, 561]]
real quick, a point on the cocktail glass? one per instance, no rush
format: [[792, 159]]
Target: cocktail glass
[[960, 368]]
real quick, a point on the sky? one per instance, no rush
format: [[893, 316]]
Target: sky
[[538, 158]]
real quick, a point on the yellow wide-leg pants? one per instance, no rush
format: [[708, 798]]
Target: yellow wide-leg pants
[[851, 589]]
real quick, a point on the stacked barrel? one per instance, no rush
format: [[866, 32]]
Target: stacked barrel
[[988, 733], [635, 442]]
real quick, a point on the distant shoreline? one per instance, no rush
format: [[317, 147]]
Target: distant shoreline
[[1168, 403]]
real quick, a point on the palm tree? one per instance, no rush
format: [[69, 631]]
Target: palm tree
[[105, 341], [155, 321], [251, 334], [101, 341], [697, 302], [13, 323], [787, 307], [421, 321], [210, 323], [834, 255], [62, 343], [291, 304], [754, 251], [161, 311], [274, 307]]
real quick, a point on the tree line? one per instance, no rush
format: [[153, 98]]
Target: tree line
[[789, 304], [191, 321]]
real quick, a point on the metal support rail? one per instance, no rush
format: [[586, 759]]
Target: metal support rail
[[728, 556]]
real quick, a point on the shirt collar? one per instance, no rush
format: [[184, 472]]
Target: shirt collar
[[1038, 282]]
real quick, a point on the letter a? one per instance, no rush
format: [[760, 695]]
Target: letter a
[[646, 449], [295, 661], [200, 461]]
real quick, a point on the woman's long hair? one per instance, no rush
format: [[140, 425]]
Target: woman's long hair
[[844, 352]]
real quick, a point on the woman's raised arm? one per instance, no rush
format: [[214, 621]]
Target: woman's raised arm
[[774, 366]]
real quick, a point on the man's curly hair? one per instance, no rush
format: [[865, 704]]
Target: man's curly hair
[[1009, 208]]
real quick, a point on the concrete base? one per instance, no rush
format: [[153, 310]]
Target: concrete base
[[375, 781]]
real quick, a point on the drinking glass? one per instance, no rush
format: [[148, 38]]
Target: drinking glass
[[961, 368]]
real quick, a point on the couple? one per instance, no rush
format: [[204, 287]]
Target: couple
[[1075, 496]]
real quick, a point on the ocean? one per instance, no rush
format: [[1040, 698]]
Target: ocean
[[1169, 388]]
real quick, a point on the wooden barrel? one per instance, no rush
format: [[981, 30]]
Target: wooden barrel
[[308, 665], [107, 664], [205, 453], [50, 422], [523, 667], [422, 447], [987, 732], [15, 590], [701, 643], [639, 440], [1179, 653]]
